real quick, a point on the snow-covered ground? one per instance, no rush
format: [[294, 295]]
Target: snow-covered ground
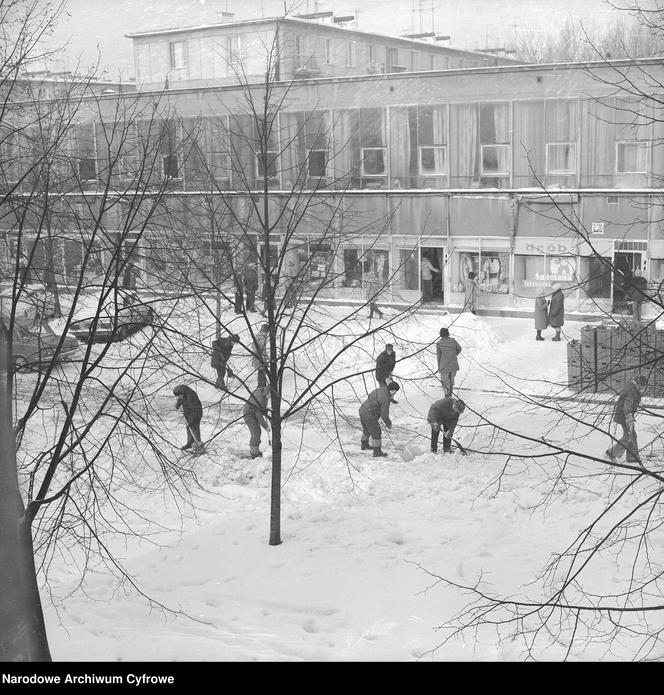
[[363, 539]]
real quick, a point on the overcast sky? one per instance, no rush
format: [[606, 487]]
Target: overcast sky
[[99, 26]]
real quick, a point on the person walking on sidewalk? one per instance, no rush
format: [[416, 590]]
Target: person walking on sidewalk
[[385, 364], [624, 412], [250, 282], [447, 350], [372, 288], [375, 408], [444, 414], [557, 311]]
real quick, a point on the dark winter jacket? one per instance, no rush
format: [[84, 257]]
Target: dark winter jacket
[[442, 412], [221, 351], [190, 404], [447, 350], [385, 365], [557, 309], [250, 279], [637, 288], [627, 404], [257, 404], [541, 314], [377, 405]]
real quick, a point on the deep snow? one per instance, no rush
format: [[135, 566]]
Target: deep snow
[[361, 537]]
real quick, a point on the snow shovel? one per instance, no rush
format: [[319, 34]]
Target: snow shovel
[[407, 451]]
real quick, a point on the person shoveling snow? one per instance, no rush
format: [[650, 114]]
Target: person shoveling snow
[[444, 414], [377, 406], [193, 414]]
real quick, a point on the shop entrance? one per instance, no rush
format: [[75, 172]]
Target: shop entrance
[[624, 265], [435, 256]]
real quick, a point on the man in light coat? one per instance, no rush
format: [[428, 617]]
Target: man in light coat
[[428, 270], [447, 350], [375, 408]]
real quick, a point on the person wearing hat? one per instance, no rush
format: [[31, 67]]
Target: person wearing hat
[[376, 408], [557, 310], [385, 364], [221, 352], [541, 313], [444, 414], [624, 412], [262, 356], [447, 350], [188, 401], [250, 281]]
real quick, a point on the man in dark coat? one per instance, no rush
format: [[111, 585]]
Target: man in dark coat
[[193, 414], [447, 350], [239, 295], [254, 412], [377, 406], [557, 311], [444, 414], [637, 293], [221, 352], [624, 411], [385, 364], [250, 280]]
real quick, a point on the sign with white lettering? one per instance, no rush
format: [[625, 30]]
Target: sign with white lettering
[[597, 228]]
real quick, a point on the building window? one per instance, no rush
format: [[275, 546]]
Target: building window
[[10, 159], [350, 54], [266, 164], [413, 61], [372, 56], [234, 51], [495, 160], [177, 53], [432, 62], [631, 157], [391, 59], [374, 161], [220, 165], [433, 160], [317, 163], [299, 52], [87, 169], [328, 51], [171, 166], [491, 268], [560, 157]]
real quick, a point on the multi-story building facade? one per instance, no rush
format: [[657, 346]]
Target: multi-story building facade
[[526, 174]]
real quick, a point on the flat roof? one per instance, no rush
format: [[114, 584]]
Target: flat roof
[[327, 27]]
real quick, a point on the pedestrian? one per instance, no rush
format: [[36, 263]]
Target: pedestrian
[[238, 300], [447, 350], [624, 413], [372, 288], [541, 313], [428, 270], [376, 408], [385, 364], [188, 400], [262, 356], [557, 310], [289, 274], [250, 281], [472, 288], [637, 293], [221, 351], [444, 414], [254, 413]]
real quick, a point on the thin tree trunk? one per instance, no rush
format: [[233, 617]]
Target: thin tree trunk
[[22, 629], [275, 496]]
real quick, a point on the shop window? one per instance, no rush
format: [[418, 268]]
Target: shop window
[[408, 275], [560, 158], [491, 268], [317, 164], [171, 166], [595, 276], [537, 272], [352, 268], [631, 157], [177, 54]]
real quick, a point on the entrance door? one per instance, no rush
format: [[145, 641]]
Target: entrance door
[[435, 256], [624, 265]]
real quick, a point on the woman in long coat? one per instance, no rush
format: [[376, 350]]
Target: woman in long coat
[[557, 310], [541, 314]]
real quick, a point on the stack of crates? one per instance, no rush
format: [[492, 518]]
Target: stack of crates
[[574, 365], [604, 358], [619, 341], [632, 351], [588, 359], [658, 381]]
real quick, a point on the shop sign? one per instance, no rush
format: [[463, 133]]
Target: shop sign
[[553, 248], [597, 228]]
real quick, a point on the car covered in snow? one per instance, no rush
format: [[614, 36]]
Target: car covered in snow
[[38, 347], [122, 313]]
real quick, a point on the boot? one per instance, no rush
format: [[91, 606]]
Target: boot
[[377, 451], [539, 335], [556, 338], [364, 446], [256, 455]]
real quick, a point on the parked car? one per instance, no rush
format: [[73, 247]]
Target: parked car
[[36, 348], [121, 316]]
